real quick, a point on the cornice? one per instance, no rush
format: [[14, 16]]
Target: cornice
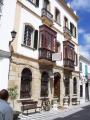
[[69, 9]]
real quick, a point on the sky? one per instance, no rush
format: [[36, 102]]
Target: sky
[[82, 8]]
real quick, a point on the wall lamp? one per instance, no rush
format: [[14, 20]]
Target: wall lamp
[[13, 34]]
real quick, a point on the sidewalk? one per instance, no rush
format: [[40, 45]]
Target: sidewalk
[[53, 114]]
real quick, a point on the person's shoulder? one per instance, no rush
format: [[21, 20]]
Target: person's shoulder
[[5, 105]]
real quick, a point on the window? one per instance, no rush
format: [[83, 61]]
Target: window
[[44, 84], [73, 30], [80, 66], [66, 83], [30, 37], [34, 2], [81, 91], [86, 71], [47, 38], [65, 22], [47, 5], [58, 47], [57, 16], [68, 51], [1, 4], [75, 86]]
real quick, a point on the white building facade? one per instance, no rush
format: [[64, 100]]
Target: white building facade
[[84, 79], [7, 14], [45, 29]]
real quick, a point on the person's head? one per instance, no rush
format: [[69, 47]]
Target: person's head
[[4, 94]]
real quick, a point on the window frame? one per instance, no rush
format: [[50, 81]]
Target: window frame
[[47, 5], [66, 22], [32, 46], [57, 16], [34, 2], [72, 29]]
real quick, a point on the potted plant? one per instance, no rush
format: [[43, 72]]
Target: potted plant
[[13, 95]]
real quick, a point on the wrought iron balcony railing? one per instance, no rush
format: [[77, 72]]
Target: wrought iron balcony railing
[[45, 54], [69, 63], [66, 31], [46, 13]]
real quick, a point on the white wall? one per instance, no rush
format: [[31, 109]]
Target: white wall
[[6, 26], [6, 23], [4, 68]]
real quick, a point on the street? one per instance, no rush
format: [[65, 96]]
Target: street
[[81, 115], [81, 112]]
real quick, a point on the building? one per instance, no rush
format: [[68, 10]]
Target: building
[[6, 26], [44, 53], [84, 79]]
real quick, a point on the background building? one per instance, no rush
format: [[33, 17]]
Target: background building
[[84, 79], [7, 14]]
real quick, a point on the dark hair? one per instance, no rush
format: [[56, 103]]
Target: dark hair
[[4, 94]]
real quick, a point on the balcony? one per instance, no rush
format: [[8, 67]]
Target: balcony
[[68, 55], [67, 33], [45, 54], [47, 44], [47, 17], [69, 64], [45, 57]]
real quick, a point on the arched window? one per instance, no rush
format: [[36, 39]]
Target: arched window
[[44, 84], [74, 86], [57, 78], [26, 78]]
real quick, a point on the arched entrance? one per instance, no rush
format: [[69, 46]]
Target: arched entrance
[[74, 85], [66, 83], [26, 78], [57, 78], [44, 84]]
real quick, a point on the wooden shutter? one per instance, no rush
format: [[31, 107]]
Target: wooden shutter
[[35, 39]]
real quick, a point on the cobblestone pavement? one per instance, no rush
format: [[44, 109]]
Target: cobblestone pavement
[[54, 114]]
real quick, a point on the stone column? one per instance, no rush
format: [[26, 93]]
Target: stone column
[[71, 89], [36, 84], [62, 89], [83, 91], [78, 88]]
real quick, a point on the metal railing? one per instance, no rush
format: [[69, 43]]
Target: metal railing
[[47, 14]]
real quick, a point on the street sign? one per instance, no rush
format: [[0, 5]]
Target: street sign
[[57, 56]]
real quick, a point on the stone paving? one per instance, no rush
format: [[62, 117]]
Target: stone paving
[[53, 114]]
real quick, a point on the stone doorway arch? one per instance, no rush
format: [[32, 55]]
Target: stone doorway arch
[[57, 78], [26, 79], [44, 84]]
